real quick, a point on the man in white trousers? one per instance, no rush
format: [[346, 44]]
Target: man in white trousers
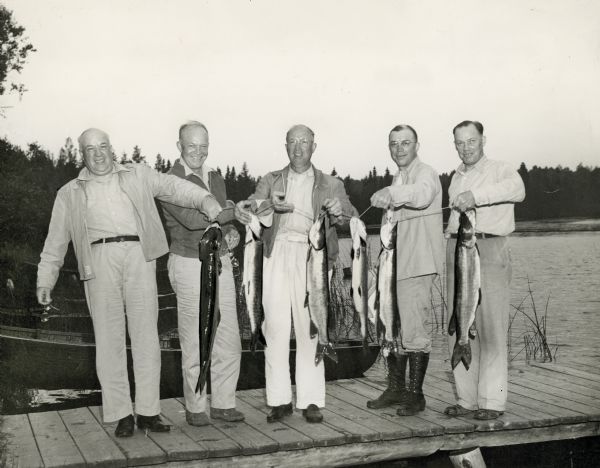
[[186, 227], [109, 214], [298, 193]]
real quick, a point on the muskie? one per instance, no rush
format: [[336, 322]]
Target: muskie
[[317, 290], [467, 293], [360, 271], [209, 248], [252, 286], [386, 304]]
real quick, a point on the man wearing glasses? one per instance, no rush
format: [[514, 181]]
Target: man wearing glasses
[[414, 202], [491, 188]]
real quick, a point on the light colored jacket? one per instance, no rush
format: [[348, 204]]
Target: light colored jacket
[[325, 187], [141, 184]]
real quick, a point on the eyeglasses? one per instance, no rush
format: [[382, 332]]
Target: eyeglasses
[[471, 142], [404, 143]]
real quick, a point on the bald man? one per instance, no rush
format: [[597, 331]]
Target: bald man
[[108, 213]]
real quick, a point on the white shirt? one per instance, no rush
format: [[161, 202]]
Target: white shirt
[[295, 226]]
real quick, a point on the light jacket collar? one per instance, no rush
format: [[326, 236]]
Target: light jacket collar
[[479, 166], [86, 175]]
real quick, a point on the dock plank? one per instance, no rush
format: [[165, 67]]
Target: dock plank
[[54, 441], [213, 441], [354, 431], [21, 449], [553, 375], [559, 381], [138, 449], [93, 443], [569, 370]]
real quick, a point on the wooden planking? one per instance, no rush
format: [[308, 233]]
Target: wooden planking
[[552, 375], [55, 444], [569, 370], [286, 437], [321, 434], [353, 431], [21, 449], [559, 381], [93, 443], [588, 365], [139, 449], [213, 442]]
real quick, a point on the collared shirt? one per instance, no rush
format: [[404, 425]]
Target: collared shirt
[[204, 172], [496, 187], [294, 226], [109, 211]]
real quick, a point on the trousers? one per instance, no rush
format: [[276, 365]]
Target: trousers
[[123, 293], [283, 301], [414, 305], [485, 384], [185, 276]]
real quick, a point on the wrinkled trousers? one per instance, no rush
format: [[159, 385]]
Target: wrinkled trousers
[[125, 286], [184, 274], [284, 293], [485, 384], [414, 305]]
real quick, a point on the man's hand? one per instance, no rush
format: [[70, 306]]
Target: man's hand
[[232, 238], [243, 211], [464, 201], [382, 199], [333, 207], [210, 207], [279, 204], [44, 296]]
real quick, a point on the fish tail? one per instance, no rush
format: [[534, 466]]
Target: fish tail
[[314, 331], [452, 325], [257, 337], [325, 350], [201, 383], [461, 353]]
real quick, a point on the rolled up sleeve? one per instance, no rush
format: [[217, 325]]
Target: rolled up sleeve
[[419, 195], [508, 189]]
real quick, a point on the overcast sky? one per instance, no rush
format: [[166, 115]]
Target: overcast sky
[[351, 70]]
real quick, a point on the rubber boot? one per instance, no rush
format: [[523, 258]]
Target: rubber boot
[[415, 400], [395, 392]]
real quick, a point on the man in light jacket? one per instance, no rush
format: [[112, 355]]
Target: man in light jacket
[[109, 214]]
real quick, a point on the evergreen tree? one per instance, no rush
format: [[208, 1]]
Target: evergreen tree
[[136, 156]]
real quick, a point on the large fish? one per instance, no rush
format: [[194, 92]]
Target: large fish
[[386, 304], [467, 292], [317, 290], [360, 273], [252, 285], [209, 248]]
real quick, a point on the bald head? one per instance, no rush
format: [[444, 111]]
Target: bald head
[[96, 151]]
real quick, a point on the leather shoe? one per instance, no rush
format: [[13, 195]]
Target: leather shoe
[[277, 413], [196, 419], [125, 427], [229, 414], [152, 423], [312, 414]]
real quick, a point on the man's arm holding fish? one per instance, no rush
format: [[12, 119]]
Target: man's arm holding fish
[[194, 220], [338, 207], [418, 195]]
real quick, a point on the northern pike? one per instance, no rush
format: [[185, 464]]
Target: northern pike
[[209, 248], [360, 274], [317, 290], [467, 289], [252, 285], [386, 304]]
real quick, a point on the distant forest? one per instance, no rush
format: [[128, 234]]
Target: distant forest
[[31, 178]]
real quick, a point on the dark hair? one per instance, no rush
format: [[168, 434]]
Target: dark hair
[[466, 123], [397, 128]]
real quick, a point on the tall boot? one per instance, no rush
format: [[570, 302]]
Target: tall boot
[[415, 400], [395, 392]]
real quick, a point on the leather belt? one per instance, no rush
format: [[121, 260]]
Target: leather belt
[[479, 235], [106, 240]]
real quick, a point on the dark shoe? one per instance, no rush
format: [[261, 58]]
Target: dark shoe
[[457, 410], [277, 413], [125, 427], [395, 392], [229, 414], [417, 368], [152, 423], [312, 414], [196, 419], [487, 414]]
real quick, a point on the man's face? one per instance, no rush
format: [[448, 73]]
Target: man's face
[[403, 147], [97, 152], [469, 144], [300, 146], [193, 146]]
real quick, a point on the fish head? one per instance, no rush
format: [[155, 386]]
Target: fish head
[[358, 231], [388, 235], [211, 240], [316, 235], [466, 228]]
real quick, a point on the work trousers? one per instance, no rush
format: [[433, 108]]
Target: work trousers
[[485, 384], [125, 285], [284, 291], [414, 305], [185, 276]]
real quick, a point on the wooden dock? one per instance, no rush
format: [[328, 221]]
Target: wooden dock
[[546, 402]]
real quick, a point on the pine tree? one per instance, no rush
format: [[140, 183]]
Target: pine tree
[[136, 156]]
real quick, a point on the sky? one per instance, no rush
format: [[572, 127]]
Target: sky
[[350, 70]]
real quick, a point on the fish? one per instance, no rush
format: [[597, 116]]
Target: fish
[[359, 289], [317, 290], [252, 281], [209, 248], [467, 289], [386, 303]]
